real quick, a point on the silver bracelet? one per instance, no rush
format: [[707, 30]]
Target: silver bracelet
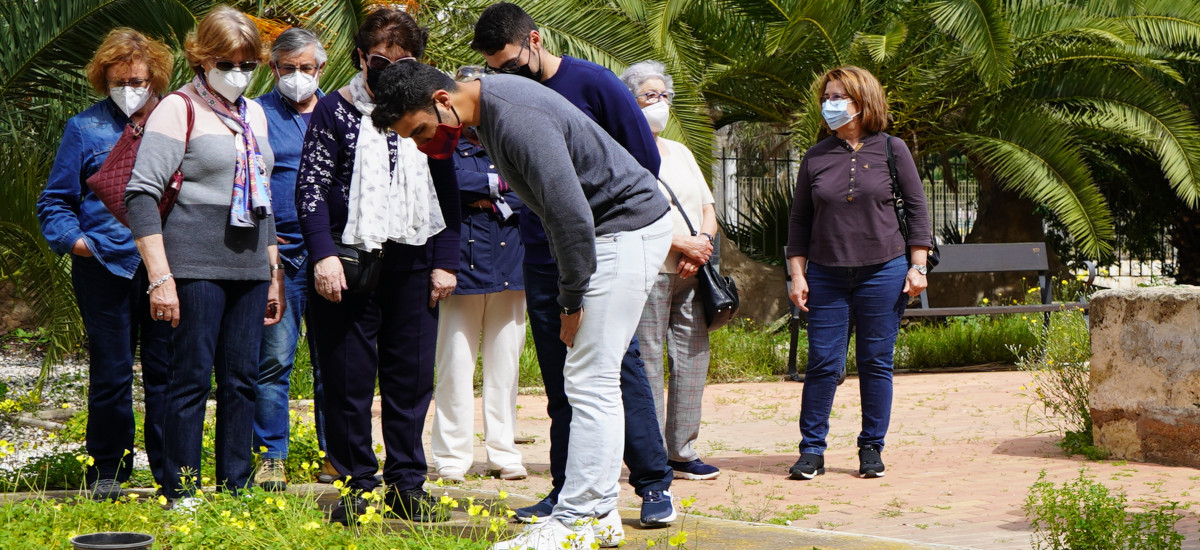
[[158, 283]]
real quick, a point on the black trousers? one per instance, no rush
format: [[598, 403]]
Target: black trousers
[[388, 334]]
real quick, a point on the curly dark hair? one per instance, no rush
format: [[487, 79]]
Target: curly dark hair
[[406, 87], [392, 27], [500, 25]]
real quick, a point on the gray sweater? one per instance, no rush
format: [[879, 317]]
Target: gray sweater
[[197, 237], [568, 170]]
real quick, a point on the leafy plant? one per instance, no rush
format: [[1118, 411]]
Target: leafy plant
[[1084, 514], [58, 470], [1060, 381]]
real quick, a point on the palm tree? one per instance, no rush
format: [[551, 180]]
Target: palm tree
[[1029, 90]]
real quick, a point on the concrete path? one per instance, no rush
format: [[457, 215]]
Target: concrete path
[[962, 452]]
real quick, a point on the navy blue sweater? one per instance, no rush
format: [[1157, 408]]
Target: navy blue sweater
[[607, 101]]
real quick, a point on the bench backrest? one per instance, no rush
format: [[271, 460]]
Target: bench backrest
[[990, 257]]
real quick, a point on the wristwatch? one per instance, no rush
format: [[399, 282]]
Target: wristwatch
[[921, 268], [571, 310]]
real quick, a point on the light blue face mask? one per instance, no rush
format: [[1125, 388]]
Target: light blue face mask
[[835, 113]]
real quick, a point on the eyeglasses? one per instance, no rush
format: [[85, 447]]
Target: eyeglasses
[[245, 66], [513, 65], [653, 97], [132, 83], [289, 69], [836, 97], [378, 62]]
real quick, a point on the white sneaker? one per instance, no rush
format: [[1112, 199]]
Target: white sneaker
[[450, 474], [552, 535], [509, 473], [608, 530]]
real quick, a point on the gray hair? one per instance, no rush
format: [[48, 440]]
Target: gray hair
[[638, 73], [296, 39]]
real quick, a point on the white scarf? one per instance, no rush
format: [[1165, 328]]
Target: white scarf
[[399, 205]]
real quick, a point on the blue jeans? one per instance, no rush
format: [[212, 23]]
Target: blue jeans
[[871, 298], [116, 315], [220, 326], [275, 359], [644, 452]]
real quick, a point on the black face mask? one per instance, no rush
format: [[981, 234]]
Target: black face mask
[[526, 72], [372, 78]]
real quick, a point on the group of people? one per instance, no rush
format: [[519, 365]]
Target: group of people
[[414, 220]]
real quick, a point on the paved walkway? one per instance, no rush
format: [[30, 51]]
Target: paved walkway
[[962, 452]]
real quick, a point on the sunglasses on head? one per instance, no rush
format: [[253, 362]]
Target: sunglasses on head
[[378, 62], [245, 66]]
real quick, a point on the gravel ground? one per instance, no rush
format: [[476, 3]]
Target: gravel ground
[[20, 365]]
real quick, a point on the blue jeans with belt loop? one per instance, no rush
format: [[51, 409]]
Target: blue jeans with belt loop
[[871, 297]]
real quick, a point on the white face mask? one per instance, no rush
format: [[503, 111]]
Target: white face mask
[[230, 84], [657, 115], [837, 113], [129, 98], [297, 86]]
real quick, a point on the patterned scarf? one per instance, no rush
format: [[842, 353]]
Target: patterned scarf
[[251, 186]]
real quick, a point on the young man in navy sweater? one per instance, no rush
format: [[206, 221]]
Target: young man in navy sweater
[[511, 44]]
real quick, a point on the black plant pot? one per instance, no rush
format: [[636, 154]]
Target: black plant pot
[[113, 541]]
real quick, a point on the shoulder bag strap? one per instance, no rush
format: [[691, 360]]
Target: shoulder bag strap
[[675, 201], [897, 198]]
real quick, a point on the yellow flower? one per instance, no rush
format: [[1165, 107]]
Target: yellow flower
[[678, 539], [503, 495], [985, 301], [162, 500], [310, 526], [321, 454], [338, 483]]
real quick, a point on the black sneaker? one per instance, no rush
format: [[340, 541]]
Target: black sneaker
[[347, 509], [809, 466], [538, 513], [106, 489], [870, 464], [414, 505]]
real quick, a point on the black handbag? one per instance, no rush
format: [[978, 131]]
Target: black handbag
[[718, 294], [934, 257], [361, 268]]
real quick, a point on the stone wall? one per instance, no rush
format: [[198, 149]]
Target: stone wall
[[1145, 374], [762, 288]]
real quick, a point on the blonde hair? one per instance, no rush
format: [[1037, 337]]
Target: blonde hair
[[221, 34], [866, 92], [124, 46]]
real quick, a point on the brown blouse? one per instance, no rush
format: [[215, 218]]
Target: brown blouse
[[843, 216]]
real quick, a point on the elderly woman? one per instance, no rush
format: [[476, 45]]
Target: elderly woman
[[850, 264], [131, 71], [213, 265], [368, 194], [674, 314]]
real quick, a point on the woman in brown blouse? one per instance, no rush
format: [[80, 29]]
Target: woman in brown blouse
[[851, 267]]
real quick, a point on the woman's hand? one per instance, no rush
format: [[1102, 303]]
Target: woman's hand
[[80, 248], [276, 299], [688, 267], [915, 283], [799, 292], [164, 302], [330, 279], [441, 285], [698, 248]]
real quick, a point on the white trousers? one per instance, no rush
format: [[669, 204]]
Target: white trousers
[[626, 266], [500, 317]]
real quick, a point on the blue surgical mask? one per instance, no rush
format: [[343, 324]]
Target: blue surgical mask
[[836, 112]]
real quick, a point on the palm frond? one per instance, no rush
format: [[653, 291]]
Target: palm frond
[[983, 30]]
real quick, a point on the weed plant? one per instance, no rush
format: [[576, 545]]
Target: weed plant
[[1084, 514], [745, 351], [1060, 368], [966, 341]]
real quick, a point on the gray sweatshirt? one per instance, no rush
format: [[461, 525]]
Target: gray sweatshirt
[[568, 170]]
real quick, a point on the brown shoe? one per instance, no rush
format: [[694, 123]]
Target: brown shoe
[[327, 473], [271, 475]]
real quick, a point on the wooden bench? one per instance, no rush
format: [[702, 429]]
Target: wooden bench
[[974, 258]]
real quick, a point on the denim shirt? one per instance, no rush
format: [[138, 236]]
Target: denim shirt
[[287, 129], [68, 210]]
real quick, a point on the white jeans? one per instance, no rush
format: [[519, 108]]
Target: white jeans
[[500, 317], [626, 265]]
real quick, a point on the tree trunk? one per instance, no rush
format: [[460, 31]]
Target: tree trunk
[[1185, 237]]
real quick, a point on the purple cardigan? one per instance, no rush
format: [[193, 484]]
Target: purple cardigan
[[843, 216], [323, 191]]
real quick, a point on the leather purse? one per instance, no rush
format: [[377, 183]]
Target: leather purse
[[110, 181], [362, 269], [718, 294], [934, 257]]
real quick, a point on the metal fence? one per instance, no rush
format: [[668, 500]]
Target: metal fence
[[753, 196]]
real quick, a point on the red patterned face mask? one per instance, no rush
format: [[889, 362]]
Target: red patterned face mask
[[444, 139]]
